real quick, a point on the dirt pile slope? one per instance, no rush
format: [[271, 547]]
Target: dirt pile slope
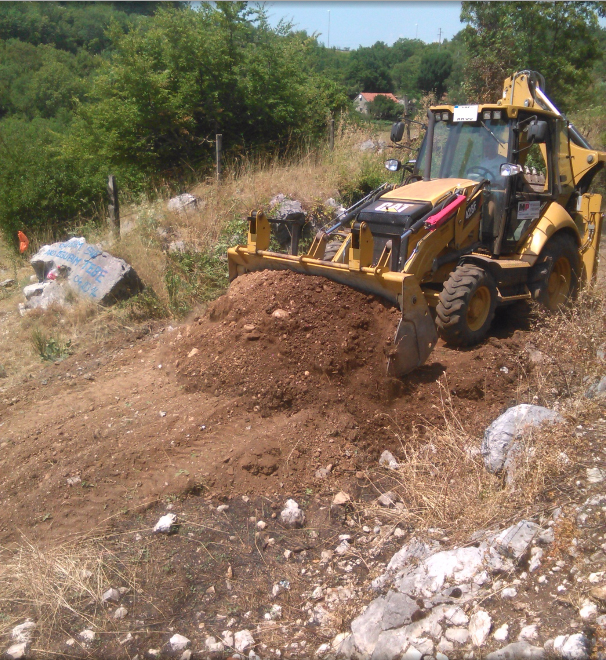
[[281, 341]]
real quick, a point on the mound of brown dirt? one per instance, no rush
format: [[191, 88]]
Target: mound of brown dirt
[[282, 341]]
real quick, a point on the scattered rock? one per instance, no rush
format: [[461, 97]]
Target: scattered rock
[[194, 351], [87, 636], [387, 499], [179, 643], [457, 635], [333, 204], [595, 475], [111, 596], [243, 640], [479, 627], [166, 524], [388, 460], [546, 537], [5, 284], [501, 634], [529, 633], [571, 647], [222, 508], [213, 646], [274, 613], [23, 632], [589, 611], [322, 473], [280, 314], [500, 435], [120, 613], [509, 592], [183, 204], [340, 498], [536, 554], [17, 651], [598, 593], [342, 548], [515, 541], [517, 651], [292, 516], [45, 294]]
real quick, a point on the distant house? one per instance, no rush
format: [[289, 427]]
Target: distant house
[[364, 98]]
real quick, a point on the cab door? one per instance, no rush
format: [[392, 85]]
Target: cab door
[[532, 190]]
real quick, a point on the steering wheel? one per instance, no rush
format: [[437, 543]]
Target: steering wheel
[[480, 171]]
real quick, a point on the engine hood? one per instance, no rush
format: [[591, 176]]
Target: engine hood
[[428, 191]]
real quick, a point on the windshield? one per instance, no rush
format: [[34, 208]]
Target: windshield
[[466, 150]]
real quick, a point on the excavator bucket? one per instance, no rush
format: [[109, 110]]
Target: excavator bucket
[[416, 335]]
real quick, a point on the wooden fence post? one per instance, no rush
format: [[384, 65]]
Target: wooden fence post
[[219, 149], [113, 208], [331, 134]]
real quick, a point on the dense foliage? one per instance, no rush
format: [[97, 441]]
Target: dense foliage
[[139, 89]]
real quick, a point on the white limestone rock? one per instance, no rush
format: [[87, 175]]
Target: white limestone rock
[[292, 516], [479, 627]]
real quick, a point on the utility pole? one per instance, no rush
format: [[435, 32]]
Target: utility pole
[[329, 28], [439, 38], [416, 30]]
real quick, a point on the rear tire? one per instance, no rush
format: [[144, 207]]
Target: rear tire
[[554, 279], [467, 305]]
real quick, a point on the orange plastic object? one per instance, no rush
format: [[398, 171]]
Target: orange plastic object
[[23, 242]]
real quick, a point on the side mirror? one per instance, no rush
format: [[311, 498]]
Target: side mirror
[[509, 169], [397, 131], [393, 165], [538, 131]]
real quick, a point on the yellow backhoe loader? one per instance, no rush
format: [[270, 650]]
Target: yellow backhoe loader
[[495, 209]]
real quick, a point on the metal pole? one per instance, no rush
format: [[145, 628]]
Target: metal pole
[[219, 146], [331, 134], [429, 145], [113, 208]]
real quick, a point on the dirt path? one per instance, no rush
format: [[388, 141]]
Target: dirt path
[[283, 376]]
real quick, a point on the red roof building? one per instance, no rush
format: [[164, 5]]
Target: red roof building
[[364, 98]]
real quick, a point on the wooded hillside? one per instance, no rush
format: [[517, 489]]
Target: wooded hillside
[[139, 89]]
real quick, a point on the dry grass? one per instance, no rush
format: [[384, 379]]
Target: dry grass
[[60, 584], [442, 481]]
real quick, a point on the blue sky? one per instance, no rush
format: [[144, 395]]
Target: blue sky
[[354, 24], [363, 23]]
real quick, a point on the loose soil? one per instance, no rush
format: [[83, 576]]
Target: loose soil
[[280, 377]]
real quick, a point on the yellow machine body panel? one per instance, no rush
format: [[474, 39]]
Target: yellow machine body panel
[[554, 219], [428, 191]]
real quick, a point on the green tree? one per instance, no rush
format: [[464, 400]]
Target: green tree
[[368, 69], [557, 39], [382, 107], [434, 69]]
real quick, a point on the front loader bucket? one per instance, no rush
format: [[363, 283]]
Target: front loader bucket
[[416, 335]]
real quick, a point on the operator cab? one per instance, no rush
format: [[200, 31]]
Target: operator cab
[[514, 156]]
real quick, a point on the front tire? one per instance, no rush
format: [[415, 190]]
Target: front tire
[[554, 279], [467, 305], [331, 250]]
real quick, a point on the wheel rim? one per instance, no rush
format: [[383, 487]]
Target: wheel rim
[[558, 285], [478, 308]]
